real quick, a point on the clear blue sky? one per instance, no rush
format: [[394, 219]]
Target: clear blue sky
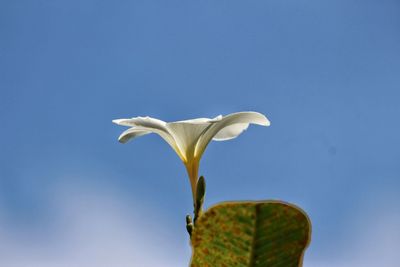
[[326, 73]]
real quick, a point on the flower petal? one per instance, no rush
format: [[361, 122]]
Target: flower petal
[[230, 132], [187, 132], [132, 133], [186, 136], [145, 125], [200, 120], [142, 121], [230, 127]]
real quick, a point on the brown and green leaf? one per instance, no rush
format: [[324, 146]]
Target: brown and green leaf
[[251, 234]]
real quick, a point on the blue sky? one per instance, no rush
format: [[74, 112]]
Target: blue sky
[[326, 73]]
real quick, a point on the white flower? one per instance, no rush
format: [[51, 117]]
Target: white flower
[[190, 138]]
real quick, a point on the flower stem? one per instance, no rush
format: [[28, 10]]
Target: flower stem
[[192, 168]]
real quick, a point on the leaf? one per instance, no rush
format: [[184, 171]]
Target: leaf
[[251, 234]]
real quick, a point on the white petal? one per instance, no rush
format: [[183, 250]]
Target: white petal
[[230, 132], [123, 122], [186, 135], [200, 120], [132, 133], [142, 121], [227, 122], [145, 125]]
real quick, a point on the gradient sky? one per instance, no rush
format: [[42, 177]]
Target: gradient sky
[[326, 73]]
